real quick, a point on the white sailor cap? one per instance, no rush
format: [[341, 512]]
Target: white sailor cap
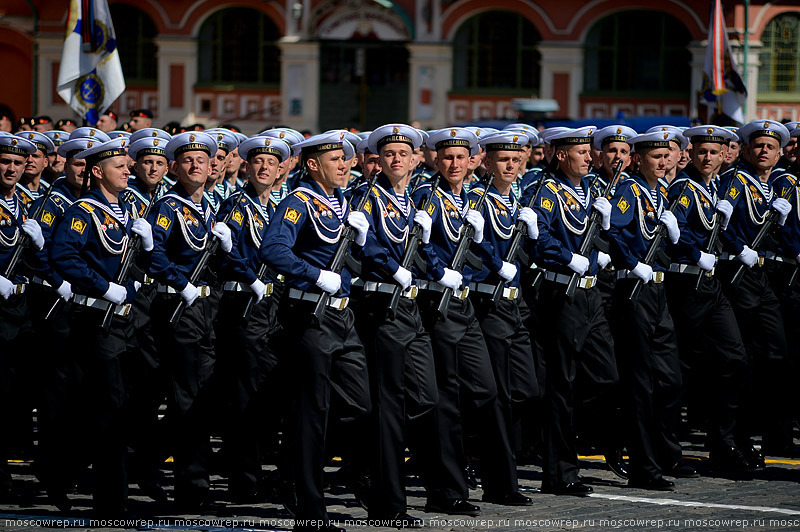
[[323, 142], [545, 134], [735, 131], [481, 132], [16, 145], [150, 132], [678, 139], [363, 146], [76, 145], [291, 136], [118, 133], [764, 128], [241, 137], [225, 138], [105, 150], [610, 134], [572, 137], [57, 137], [454, 137], [191, 141], [90, 132], [148, 146], [363, 134], [532, 132], [709, 133], [392, 133], [351, 137], [504, 141], [654, 139], [794, 128], [265, 145], [40, 140]]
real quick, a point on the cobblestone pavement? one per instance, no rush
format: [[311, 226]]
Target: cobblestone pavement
[[770, 501]]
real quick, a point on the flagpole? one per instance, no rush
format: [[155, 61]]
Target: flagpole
[[746, 49]]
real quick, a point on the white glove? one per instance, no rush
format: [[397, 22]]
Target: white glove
[[32, 228], [668, 219], [259, 289], [116, 294], [64, 291], [603, 206], [603, 260], [507, 271], [475, 219], [643, 272], [783, 207], [424, 220], [358, 221], [6, 287], [403, 277], [223, 232], [707, 261], [725, 208], [142, 228], [748, 257], [579, 264], [136, 286], [329, 282], [451, 279], [528, 215], [190, 294]]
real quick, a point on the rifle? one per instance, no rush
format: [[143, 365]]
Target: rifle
[[460, 256], [714, 238], [134, 247], [340, 255], [520, 232], [770, 219], [595, 218], [24, 239], [263, 272], [200, 268], [411, 247], [655, 245]]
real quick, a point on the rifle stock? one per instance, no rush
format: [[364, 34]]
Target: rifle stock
[[346, 238]]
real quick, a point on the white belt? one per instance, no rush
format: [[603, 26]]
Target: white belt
[[658, 277], [777, 258], [560, 278], [484, 288], [339, 303], [39, 280], [436, 287], [730, 256], [101, 304], [231, 286], [388, 288], [202, 290]]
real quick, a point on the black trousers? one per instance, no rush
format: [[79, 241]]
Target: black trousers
[[510, 352], [711, 350], [646, 349], [581, 370], [245, 361], [467, 394], [147, 382], [789, 296], [15, 332], [758, 313], [187, 350], [401, 370], [328, 373], [59, 456], [100, 355]]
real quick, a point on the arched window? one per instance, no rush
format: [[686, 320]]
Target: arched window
[[779, 73], [496, 50], [239, 45], [636, 53], [136, 34]]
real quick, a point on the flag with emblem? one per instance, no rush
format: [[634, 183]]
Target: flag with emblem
[[722, 83], [90, 77]]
